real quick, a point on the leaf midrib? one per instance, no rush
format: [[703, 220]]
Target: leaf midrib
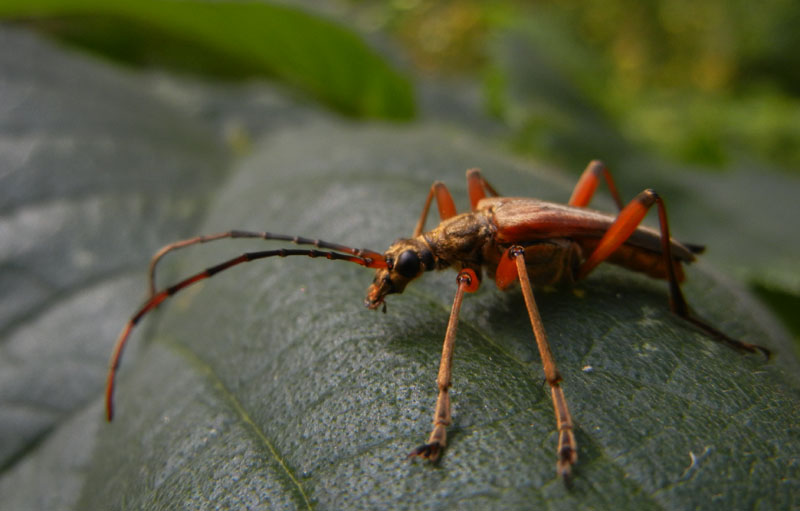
[[244, 417]]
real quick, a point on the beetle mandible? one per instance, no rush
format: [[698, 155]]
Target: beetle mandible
[[511, 239]]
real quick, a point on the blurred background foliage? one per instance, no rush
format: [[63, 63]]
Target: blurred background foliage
[[231, 40], [696, 81], [700, 83], [661, 87]]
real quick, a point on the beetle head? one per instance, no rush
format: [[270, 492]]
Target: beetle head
[[406, 259]]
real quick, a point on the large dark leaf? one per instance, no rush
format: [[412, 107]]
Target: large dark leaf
[[274, 386], [271, 387]]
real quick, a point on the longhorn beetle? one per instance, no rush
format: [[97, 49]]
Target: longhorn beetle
[[536, 242]]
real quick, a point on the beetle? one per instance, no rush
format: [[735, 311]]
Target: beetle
[[508, 239]]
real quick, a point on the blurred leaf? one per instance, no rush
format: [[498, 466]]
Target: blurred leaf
[[784, 304], [232, 38], [271, 387], [698, 93], [94, 172]]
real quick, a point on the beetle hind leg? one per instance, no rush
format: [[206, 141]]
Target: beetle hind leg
[[622, 228]]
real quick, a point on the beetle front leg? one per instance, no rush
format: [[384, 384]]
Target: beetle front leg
[[477, 187], [467, 281], [512, 265], [444, 202]]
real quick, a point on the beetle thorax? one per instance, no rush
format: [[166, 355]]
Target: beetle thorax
[[458, 242]]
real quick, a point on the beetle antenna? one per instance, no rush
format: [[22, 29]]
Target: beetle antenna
[[365, 258], [297, 240]]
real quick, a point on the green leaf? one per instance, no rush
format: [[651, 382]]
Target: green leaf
[[273, 383], [270, 386], [305, 51]]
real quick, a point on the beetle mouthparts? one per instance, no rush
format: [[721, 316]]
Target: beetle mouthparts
[[373, 304]]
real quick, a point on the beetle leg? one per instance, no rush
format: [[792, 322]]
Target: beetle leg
[[444, 202], [587, 185], [625, 224], [467, 281], [512, 265], [478, 187]]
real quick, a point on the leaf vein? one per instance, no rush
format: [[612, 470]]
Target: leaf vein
[[244, 417]]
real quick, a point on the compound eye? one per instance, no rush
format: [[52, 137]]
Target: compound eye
[[407, 264]]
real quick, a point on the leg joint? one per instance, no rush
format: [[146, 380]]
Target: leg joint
[[648, 197], [554, 379]]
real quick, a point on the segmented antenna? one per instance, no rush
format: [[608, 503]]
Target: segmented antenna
[[364, 257], [235, 234]]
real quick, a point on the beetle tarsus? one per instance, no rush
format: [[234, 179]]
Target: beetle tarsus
[[430, 452], [730, 341], [567, 457]]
